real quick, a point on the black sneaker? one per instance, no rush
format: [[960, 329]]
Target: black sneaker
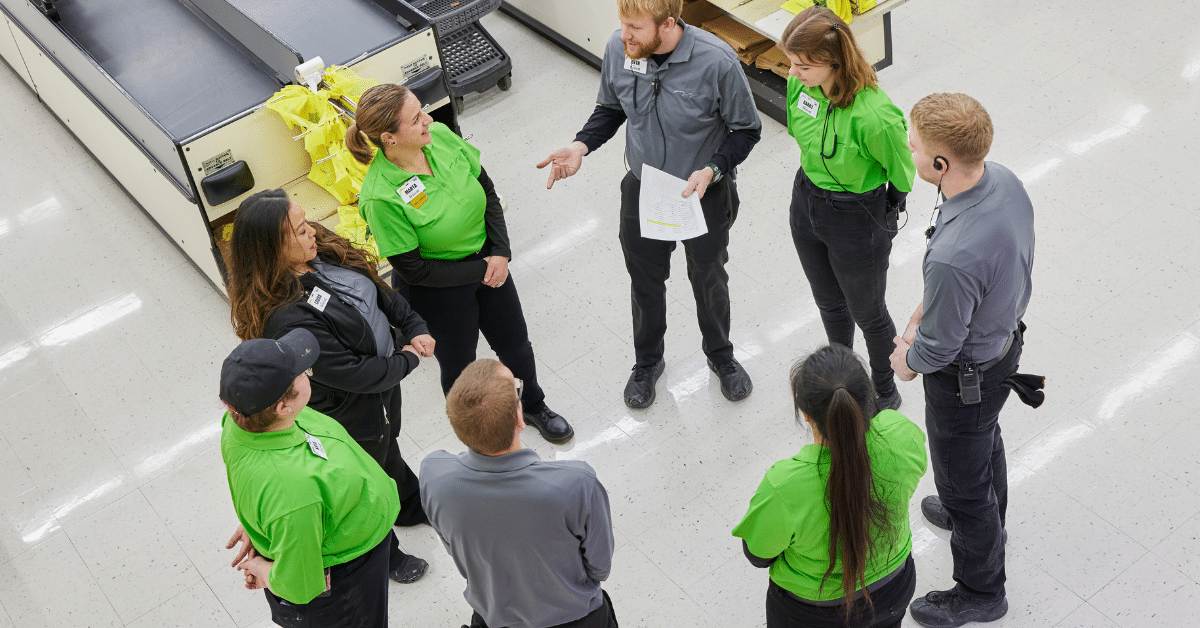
[[409, 570], [948, 609], [735, 382], [936, 514], [550, 425], [639, 390], [890, 402]]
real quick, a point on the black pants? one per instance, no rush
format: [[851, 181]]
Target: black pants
[[357, 597], [966, 452], [890, 603], [844, 249], [457, 315], [649, 265], [387, 453], [603, 617]]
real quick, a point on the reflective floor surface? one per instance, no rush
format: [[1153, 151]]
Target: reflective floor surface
[[113, 497]]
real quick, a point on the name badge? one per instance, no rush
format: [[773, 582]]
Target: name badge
[[318, 298], [637, 65], [315, 445], [413, 192], [808, 104]]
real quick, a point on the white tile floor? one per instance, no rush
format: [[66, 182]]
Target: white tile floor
[[114, 500]]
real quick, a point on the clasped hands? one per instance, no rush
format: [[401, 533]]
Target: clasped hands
[[899, 357], [254, 567]]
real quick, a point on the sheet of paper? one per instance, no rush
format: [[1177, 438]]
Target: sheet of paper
[[773, 24], [663, 212]]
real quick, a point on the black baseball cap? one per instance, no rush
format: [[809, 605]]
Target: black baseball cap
[[258, 372]]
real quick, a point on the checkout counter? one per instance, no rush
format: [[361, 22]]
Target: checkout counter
[[583, 27], [168, 95]]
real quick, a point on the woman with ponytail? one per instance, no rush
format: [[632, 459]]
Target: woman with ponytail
[[855, 171], [831, 522], [437, 219]]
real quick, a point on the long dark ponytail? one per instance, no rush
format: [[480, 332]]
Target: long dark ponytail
[[832, 388]]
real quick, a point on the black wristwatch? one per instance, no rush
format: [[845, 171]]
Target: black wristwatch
[[717, 174]]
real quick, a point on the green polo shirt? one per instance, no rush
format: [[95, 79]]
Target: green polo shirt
[[449, 225], [789, 517], [872, 141], [304, 512]]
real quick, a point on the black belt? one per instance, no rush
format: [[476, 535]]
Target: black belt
[[873, 587], [830, 195], [952, 368]]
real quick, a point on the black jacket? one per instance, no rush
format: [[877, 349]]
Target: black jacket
[[350, 382]]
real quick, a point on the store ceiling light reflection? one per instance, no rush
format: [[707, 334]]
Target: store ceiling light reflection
[[91, 321], [1132, 117]]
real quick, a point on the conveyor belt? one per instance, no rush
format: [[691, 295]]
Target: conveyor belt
[[178, 67], [338, 31]]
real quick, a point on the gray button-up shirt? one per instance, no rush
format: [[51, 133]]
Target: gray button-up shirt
[[533, 539], [977, 273], [698, 95]]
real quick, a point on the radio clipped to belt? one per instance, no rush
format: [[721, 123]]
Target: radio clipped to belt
[[968, 382]]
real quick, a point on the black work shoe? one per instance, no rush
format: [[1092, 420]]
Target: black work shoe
[[639, 390], [948, 609], [550, 425], [735, 382], [890, 402], [936, 514], [409, 570]]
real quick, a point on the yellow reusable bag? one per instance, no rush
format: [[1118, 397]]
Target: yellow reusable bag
[[842, 8], [352, 227], [343, 81], [862, 6]]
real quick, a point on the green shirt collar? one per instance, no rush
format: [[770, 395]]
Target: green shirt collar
[[282, 439], [394, 174]]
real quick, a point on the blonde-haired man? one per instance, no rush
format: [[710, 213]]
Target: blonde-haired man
[[533, 538], [965, 338], [687, 110]]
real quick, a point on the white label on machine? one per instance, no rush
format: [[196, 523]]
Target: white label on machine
[[637, 65], [414, 67], [214, 164]]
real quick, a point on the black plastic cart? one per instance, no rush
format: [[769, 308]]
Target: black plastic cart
[[473, 60]]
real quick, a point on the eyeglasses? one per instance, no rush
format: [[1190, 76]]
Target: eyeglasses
[[520, 387]]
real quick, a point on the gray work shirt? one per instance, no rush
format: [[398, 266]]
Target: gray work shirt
[[533, 538], [699, 94], [977, 273], [359, 291]]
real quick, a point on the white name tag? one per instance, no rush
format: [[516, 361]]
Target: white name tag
[[315, 445], [808, 104], [637, 65], [413, 192], [318, 298]]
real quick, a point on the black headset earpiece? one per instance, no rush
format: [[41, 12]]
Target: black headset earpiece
[[937, 163]]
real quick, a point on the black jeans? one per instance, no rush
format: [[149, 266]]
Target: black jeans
[[603, 617], [844, 249], [357, 596], [890, 603], [966, 452], [649, 265], [457, 315]]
